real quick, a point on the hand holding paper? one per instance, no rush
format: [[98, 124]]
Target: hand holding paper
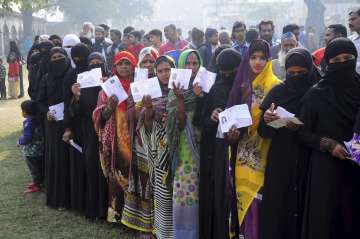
[[113, 87], [180, 76], [57, 111], [205, 79], [90, 78], [284, 118], [145, 87], [238, 115]]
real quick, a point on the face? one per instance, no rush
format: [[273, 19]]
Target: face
[[330, 35], [227, 74], [163, 72], [170, 33], [146, 42], [57, 42], [239, 34], [297, 34], [124, 69], [296, 70], [288, 44], [132, 39], [342, 58], [99, 35], [148, 63], [95, 62], [126, 40], [224, 39], [266, 32], [354, 22], [86, 28], [56, 56], [257, 62], [193, 64], [214, 39], [114, 37], [155, 40]]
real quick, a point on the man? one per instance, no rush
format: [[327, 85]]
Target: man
[[224, 38], [56, 40], [156, 38], [107, 32], [332, 32], [115, 47], [354, 25], [197, 37], [87, 30], [238, 35], [100, 45], [293, 28], [174, 42], [288, 42], [135, 45], [207, 50], [266, 31], [126, 33], [251, 35]]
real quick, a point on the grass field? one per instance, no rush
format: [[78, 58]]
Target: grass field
[[26, 216]]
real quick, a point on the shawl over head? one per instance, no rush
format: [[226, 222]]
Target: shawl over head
[[148, 51]]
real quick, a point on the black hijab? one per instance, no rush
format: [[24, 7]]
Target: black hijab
[[100, 57], [82, 52], [340, 86], [58, 68], [45, 48]]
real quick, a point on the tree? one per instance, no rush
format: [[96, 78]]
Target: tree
[[315, 16]]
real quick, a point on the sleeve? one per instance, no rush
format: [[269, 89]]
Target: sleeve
[[69, 81], [26, 137], [264, 130], [204, 56], [42, 97]]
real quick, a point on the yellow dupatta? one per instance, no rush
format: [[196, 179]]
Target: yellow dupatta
[[252, 149]]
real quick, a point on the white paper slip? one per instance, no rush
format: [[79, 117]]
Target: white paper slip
[[238, 115], [57, 111], [90, 78], [146, 87], [113, 87], [205, 79], [285, 118], [76, 146], [141, 74], [180, 76]]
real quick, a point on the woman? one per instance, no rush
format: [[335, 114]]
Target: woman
[[14, 76], [214, 202], [114, 124], [15, 56], [254, 81], [73, 124], [152, 129], [82, 105], [138, 212], [56, 150], [329, 112], [184, 150], [285, 168], [147, 58]]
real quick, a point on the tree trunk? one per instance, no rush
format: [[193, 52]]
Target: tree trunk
[[315, 17], [27, 19]]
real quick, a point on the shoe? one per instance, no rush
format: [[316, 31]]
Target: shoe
[[30, 185], [33, 189]]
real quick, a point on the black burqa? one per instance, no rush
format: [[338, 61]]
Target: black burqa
[[72, 122], [96, 186], [332, 208], [214, 198], [56, 150], [284, 183]]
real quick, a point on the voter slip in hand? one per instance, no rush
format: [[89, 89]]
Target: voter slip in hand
[[145, 87], [238, 115], [90, 78], [180, 76], [57, 111], [113, 87], [141, 74], [285, 118], [75, 145], [205, 79]]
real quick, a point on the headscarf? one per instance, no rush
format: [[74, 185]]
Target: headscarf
[[35, 58], [242, 88], [58, 68], [172, 127], [164, 58], [82, 52], [228, 59], [45, 57], [120, 56], [69, 41], [43, 38], [57, 37], [288, 36], [148, 51], [100, 57], [213, 67]]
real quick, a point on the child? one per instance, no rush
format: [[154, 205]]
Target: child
[[32, 145], [2, 81], [14, 77]]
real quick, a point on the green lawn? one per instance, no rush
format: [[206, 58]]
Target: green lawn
[[26, 216]]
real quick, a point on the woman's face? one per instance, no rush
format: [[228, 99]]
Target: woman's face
[[56, 56], [193, 63], [296, 70], [342, 58], [124, 69], [163, 71], [95, 62], [148, 63], [257, 62]]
